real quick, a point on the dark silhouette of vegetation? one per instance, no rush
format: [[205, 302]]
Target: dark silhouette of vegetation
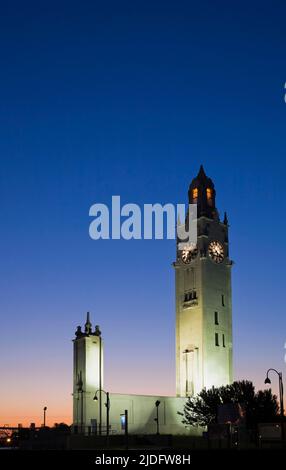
[[61, 427], [202, 409]]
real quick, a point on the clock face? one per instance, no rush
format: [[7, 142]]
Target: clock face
[[188, 254], [216, 251]]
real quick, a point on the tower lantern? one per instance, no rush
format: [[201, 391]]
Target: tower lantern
[[202, 192]]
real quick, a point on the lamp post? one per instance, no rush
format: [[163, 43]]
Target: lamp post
[[107, 404], [80, 393], [268, 381], [157, 404], [45, 409], [100, 384]]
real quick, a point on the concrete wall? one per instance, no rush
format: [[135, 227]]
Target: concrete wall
[[141, 414]]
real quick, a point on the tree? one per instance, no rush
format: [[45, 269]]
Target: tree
[[202, 409]]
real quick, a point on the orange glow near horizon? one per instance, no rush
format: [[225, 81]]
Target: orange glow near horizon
[[26, 407], [31, 411]]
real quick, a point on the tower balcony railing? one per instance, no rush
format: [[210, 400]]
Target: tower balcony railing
[[190, 303]]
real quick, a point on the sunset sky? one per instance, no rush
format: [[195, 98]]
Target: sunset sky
[[129, 98]]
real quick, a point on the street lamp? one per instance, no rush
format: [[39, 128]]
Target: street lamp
[[107, 404], [268, 381], [45, 409], [157, 404]]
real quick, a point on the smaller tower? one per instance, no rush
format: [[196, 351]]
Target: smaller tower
[[87, 375]]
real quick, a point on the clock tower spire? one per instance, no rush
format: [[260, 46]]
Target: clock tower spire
[[203, 298]]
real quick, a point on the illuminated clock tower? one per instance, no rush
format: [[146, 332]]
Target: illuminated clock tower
[[203, 298]]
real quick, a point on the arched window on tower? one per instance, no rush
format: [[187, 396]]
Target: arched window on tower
[[209, 196], [195, 195]]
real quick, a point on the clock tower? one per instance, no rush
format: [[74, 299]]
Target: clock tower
[[203, 298]]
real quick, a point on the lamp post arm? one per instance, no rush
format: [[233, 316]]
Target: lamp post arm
[[100, 391], [274, 370]]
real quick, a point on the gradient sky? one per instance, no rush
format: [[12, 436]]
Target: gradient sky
[[129, 98]]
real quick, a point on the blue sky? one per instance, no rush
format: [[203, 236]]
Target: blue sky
[[129, 98]]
